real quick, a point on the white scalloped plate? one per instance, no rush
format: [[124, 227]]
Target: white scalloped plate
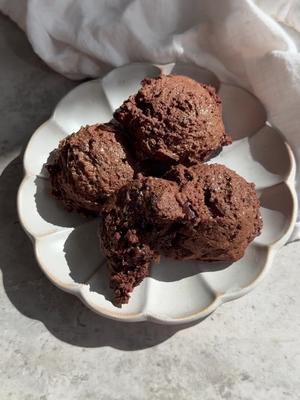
[[66, 245]]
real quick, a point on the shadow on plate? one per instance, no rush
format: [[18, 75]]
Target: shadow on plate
[[85, 260], [200, 74], [170, 270], [35, 297], [51, 209], [243, 113], [267, 147]]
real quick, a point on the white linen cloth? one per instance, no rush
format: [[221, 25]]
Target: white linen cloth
[[252, 43]]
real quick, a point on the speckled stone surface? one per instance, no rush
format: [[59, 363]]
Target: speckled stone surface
[[52, 347]]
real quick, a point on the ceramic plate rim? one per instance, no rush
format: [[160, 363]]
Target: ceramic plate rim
[[79, 290]]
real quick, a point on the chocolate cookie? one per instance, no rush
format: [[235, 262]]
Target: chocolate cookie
[[89, 166], [172, 120], [204, 212]]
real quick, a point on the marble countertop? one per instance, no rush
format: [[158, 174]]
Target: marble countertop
[[52, 347]]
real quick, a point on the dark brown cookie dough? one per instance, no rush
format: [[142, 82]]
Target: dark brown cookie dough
[[174, 119], [204, 212], [221, 214], [123, 240], [89, 166], [132, 223]]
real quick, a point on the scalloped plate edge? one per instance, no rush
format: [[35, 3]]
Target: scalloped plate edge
[[79, 290]]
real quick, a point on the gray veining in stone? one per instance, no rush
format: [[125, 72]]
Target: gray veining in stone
[[52, 347]]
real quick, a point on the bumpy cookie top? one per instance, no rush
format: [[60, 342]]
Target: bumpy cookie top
[[174, 119], [89, 166]]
